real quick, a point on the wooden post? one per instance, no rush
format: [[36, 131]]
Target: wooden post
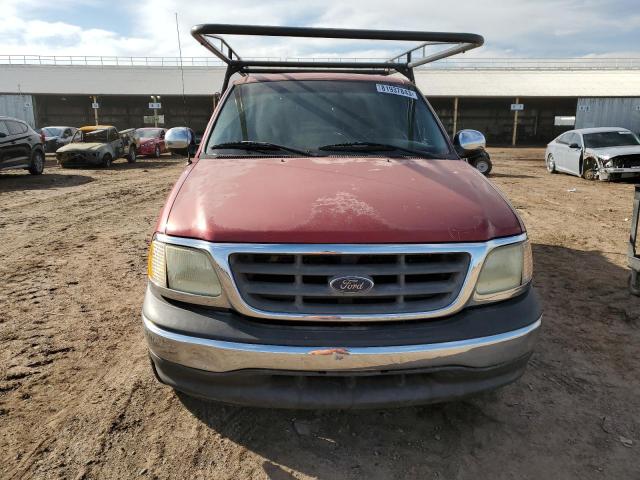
[[515, 125], [455, 116], [155, 99], [95, 110]]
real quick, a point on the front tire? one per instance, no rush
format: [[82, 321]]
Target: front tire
[[155, 371], [590, 170], [634, 283], [107, 160], [36, 166], [131, 154], [551, 164], [483, 164]]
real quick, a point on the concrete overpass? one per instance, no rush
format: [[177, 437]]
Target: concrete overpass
[[478, 78], [465, 92]]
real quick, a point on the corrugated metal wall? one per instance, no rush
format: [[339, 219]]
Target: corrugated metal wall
[[18, 106], [608, 112]]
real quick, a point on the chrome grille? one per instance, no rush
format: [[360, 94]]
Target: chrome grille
[[299, 283]]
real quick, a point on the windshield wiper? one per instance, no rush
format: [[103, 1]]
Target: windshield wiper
[[373, 146], [250, 145]]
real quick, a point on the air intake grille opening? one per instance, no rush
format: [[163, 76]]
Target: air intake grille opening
[[299, 283], [626, 161]]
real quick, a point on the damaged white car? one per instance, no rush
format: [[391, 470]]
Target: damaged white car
[[606, 153]]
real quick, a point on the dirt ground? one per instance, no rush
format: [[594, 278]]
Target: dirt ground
[[78, 400]]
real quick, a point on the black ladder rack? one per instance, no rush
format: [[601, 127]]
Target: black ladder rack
[[453, 43]]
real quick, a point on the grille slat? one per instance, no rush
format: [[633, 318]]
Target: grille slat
[[299, 283], [322, 270], [311, 290]]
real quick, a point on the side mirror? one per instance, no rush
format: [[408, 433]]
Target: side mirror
[[177, 139], [469, 141], [574, 145]]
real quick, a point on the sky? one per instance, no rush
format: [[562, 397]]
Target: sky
[[515, 28]]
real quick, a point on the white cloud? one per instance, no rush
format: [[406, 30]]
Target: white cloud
[[558, 28]]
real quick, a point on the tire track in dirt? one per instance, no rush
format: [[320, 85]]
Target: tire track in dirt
[[85, 215], [80, 400]]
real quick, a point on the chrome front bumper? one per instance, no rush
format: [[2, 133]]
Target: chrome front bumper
[[221, 356]]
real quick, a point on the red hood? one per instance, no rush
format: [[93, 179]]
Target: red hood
[[338, 200]]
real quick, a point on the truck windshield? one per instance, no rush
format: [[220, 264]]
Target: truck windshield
[[621, 138], [311, 114]]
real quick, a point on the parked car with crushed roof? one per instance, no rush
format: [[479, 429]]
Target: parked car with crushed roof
[[20, 146], [605, 153], [150, 141], [56, 137], [96, 145]]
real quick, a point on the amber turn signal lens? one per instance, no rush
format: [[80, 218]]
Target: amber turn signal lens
[[156, 265]]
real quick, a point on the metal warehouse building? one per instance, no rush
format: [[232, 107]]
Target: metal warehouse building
[[597, 112], [480, 93]]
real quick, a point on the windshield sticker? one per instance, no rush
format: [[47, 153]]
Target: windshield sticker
[[396, 91]]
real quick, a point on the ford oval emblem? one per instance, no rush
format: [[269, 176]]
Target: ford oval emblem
[[351, 284]]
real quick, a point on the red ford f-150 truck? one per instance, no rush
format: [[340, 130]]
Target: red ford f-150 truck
[[328, 248]]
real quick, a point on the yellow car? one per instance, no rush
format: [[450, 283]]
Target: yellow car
[[96, 145]]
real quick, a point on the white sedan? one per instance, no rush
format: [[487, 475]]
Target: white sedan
[[606, 153]]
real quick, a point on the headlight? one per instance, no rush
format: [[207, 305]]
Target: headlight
[[506, 268], [183, 269]]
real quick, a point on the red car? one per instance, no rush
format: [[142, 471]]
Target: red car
[[327, 247], [151, 141]]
